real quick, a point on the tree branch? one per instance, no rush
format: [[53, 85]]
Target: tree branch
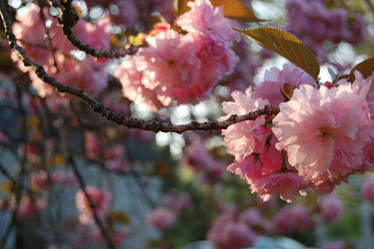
[[70, 18], [114, 116], [82, 185]]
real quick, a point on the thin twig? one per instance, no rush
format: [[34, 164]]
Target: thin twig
[[70, 18], [82, 185]]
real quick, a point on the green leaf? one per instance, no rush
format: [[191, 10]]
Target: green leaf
[[286, 45], [235, 9], [366, 68]]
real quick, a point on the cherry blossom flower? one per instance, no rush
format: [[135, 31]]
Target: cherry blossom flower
[[27, 206], [180, 68], [331, 208], [227, 233], [244, 138], [207, 21], [324, 132], [161, 218], [100, 198], [278, 83]]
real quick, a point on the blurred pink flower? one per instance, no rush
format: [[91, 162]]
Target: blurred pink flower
[[114, 159], [92, 145], [282, 222], [253, 218], [27, 206], [101, 199], [331, 208], [178, 202], [161, 218], [303, 217], [368, 189], [226, 233]]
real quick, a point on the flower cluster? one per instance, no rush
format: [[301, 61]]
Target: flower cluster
[[46, 44], [290, 218], [320, 137], [314, 23], [228, 232], [181, 67]]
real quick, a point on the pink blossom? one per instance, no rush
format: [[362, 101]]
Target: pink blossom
[[178, 68], [276, 81], [244, 138], [282, 222], [368, 189], [303, 217], [207, 21], [287, 184], [132, 86], [178, 202], [27, 206], [361, 86], [226, 233], [331, 208], [290, 218], [170, 61], [324, 132], [161, 218], [253, 218], [101, 199], [87, 75], [40, 180], [114, 159], [59, 63], [31, 28], [267, 175]]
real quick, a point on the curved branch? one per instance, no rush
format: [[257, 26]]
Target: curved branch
[[70, 18], [114, 116]]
